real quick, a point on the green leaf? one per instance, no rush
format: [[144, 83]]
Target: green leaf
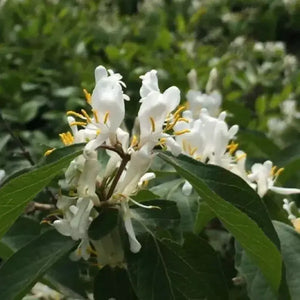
[[290, 247], [23, 231], [16, 193], [239, 208], [164, 215], [26, 266], [257, 286], [187, 205], [113, 284], [105, 222], [204, 215], [66, 276], [165, 270]]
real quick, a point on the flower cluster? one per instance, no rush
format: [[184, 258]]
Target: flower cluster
[[93, 185], [209, 140], [197, 129]]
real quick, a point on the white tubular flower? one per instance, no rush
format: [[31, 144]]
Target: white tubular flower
[[108, 107], [87, 181], [198, 100], [154, 110], [264, 175], [76, 217], [138, 165], [135, 246], [149, 83]]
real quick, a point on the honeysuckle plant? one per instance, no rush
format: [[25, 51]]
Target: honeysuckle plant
[[135, 208]]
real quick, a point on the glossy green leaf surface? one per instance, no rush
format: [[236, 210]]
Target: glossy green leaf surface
[[165, 270], [26, 266], [16, 193], [239, 208]]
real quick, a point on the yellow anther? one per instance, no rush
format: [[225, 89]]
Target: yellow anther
[[106, 117], [134, 141], [163, 140], [180, 132], [78, 123], [98, 131], [73, 113], [152, 124], [232, 147], [67, 138], [273, 170], [48, 152], [86, 116], [179, 110], [88, 96], [198, 157], [241, 156], [279, 171], [95, 115], [183, 120]]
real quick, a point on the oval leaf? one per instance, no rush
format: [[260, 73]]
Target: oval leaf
[[239, 208]]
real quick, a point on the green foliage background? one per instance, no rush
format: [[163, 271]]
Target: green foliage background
[[49, 50]]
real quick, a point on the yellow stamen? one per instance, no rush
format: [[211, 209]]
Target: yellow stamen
[[88, 96], [106, 117], [183, 120], [279, 172], [134, 141], [163, 140], [67, 138], [98, 131], [232, 147], [48, 152], [241, 156], [273, 170], [73, 113], [152, 124], [198, 157], [179, 110], [86, 116], [95, 115], [177, 117], [180, 132], [78, 123]]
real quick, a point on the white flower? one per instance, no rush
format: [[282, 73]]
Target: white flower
[[87, 181], [156, 107], [198, 100], [76, 217], [108, 107], [264, 175], [149, 83]]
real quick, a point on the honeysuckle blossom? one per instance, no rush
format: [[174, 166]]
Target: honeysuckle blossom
[[265, 175]]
